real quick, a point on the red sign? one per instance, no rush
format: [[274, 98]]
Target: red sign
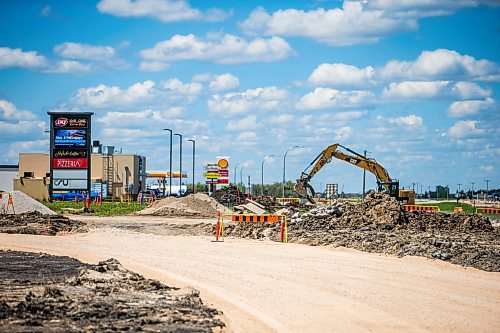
[[223, 181], [61, 122], [224, 172], [69, 163]]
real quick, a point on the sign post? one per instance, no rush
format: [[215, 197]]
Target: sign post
[[70, 151]]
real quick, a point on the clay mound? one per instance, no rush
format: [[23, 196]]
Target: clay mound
[[23, 204], [197, 205]]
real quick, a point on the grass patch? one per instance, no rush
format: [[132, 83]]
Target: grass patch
[[106, 209], [450, 206]]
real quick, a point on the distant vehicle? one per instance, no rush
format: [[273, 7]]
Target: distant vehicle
[[175, 190], [71, 196], [146, 195]]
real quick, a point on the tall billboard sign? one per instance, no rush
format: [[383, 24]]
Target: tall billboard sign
[[70, 151]]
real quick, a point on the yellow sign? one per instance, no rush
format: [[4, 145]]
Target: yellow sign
[[211, 175], [222, 163]]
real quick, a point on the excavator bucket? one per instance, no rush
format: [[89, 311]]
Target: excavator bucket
[[305, 190]]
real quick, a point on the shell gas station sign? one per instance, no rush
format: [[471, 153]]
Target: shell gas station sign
[[217, 174]]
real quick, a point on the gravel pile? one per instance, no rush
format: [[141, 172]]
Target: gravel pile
[[381, 225], [45, 293], [197, 205], [24, 204]]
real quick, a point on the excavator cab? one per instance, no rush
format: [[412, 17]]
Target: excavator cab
[[391, 188]]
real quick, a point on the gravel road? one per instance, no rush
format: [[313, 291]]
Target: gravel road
[[264, 286]]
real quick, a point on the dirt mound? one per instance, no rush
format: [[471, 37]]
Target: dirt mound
[[197, 205], [229, 196], [23, 204], [381, 225], [38, 224], [74, 297]]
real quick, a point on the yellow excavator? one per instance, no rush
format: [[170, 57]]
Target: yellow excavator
[[384, 181]]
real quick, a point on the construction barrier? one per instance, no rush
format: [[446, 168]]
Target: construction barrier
[[458, 210], [259, 218], [421, 208], [487, 211], [287, 200]]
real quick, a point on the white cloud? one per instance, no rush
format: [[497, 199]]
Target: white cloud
[[9, 112], [224, 82], [441, 64], [225, 49], [246, 135], [139, 93], [423, 8], [343, 116], [463, 129], [69, 66], [341, 75], [280, 119], [487, 168], [415, 89], [410, 121], [27, 146], [103, 95], [247, 123], [45, 11], [470, 107], [351, 24], [267, 98], [19, 58], [153, 66], [470, 90], [322, 98], [79, 51], [343, 133], [163, 10]]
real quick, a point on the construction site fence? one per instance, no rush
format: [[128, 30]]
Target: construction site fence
[[421, 208], [252, 218], [487, 211]]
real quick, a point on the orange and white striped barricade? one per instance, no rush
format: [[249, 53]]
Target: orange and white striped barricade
[[458, 210], [287, 200], [487, 211], [421, 208], [256, 218], [10, 203]]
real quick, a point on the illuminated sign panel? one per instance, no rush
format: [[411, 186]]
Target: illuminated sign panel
[[70, 151]]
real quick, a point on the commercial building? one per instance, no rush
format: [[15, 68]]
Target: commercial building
[[117, 176], [7, 175]]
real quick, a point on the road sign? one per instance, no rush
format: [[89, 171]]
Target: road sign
[[211, 175]]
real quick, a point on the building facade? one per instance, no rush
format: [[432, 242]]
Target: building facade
[[118, 176]]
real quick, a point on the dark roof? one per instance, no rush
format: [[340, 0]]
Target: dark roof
[[9, 166], [86, 113]]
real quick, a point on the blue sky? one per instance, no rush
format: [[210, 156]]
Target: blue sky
[[415, 83]]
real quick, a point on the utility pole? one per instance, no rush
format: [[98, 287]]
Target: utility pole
[[194, 152], [249, 188], [180, 163], [170, 166], [429, 191], [487, 186], [364, 179]]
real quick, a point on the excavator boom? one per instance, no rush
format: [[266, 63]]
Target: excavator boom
[[305, 190]]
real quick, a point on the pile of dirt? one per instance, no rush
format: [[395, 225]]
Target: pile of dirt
[[22, 204], [44, 293], [229, 196], [381, 225], [36, 223], [197, 205], [268, 202]]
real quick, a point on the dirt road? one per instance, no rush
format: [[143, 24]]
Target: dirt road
[[266, 286]]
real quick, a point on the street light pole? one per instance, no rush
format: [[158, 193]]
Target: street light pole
[[262, 174], [194, 152], [180, 162], [364, 179], [235, 167], [170, 167], [487, 186], [284, 167]]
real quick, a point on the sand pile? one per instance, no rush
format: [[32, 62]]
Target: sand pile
[[45, 293], [197, 205], [23, 204]]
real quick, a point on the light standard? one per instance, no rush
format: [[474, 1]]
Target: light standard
[[262, 173], [180, 162], [236, 166], [170, 168], [194, 152], [241, 172], [284, 167]]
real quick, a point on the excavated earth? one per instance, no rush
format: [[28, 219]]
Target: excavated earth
[[381, 225], [35, 223], [45, 293]]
